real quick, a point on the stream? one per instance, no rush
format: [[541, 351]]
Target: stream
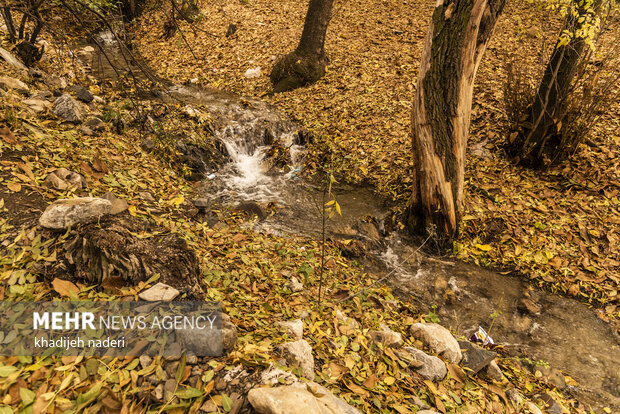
[[560, 331]]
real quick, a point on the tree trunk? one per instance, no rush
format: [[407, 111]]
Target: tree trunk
[[538, 143], [306, 64], [456, 40]]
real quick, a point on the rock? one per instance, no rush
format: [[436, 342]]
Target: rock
[[172, 366], [251, 208], [37, 105], [95, 123], [438, 339], [42, 95], [427, 412], [147, 145], [494, 371], [307, 398], [209, 407], [556, 378], [158, 393], [81, 93], [62, 214], [118, 205], [369, 231], [172, 353], [66, 108], [55, 82], [515, 397], [551, 405], [87, 131], [294, 328], [63, 179], [475, 357], [203, 340], [532, 408], [11, 60], [169, 388], [386, 337], [202, 204], [146, 196], [528, 306], [160, 291], [145, 361], [299, 354], [6, 83], [295, 285], [253, 73], [433, 368], [191, 358]]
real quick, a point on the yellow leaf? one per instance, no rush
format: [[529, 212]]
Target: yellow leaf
[[389, 380], [132, 210], [14, 186], [484, 247], [177, 201], [64, 287], [337, 208]]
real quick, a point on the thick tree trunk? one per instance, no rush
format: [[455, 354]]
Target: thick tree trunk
[[306, 64], [538, 143], [456, 40]]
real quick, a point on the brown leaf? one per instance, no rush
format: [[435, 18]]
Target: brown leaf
[[457, 373], [98, 165], [7, 136], [357, 389], [371, 381], [64, 287], [86, 168]]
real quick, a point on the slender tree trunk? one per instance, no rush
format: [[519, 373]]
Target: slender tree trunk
[[538, 143], [456, 40], [306, 64]]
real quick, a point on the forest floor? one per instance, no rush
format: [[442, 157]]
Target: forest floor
[[360, 111], [558, 228]]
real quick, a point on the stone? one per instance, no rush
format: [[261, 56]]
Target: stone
[[532, 408], [145, 361], [514, 396], [87, 131], [294, 328], [494, 371], [299, 354], [528, 306], [253, 73], [202, 203], [551, 405], [7, 83], [191, 358], [556, 378], [37, 105], [158, 393], [307, 398], [81, 93], [209, 407], [42, 95], [62, 214], [232, 29], [438, 339], [66, 108], [169, 387], [418, 401], [295, 285], [386, 337], [203, 340], [172, 353], [56, 82], [63, 179], [95, 123], [475, 357], [118, 205], [369, 231], [433, 368], [11, 60], [160, 291], [173, 366], [427, 412]]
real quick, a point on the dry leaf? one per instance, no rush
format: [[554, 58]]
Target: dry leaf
[[64, 287]]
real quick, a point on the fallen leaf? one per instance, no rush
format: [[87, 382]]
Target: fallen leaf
[[64, 287]]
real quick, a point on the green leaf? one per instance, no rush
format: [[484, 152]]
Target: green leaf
[[7, 370], [188, 393], [226, 403], [27, 396]]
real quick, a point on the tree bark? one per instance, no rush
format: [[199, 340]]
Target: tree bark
[[457, 37], [538, 143], [306, 64]]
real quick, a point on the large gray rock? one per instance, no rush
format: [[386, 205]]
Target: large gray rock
[[438, 339], [475, 357], [432, 368], [6, 83], [299, 354], [68, 212], [294, 328], [67, 108], [307, 398]]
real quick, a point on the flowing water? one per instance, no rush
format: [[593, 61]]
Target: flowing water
[[565, 334]]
